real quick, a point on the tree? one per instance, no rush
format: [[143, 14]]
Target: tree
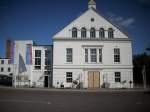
[[139, 61]]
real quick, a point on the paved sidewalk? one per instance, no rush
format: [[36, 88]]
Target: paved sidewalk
[[80, 90]]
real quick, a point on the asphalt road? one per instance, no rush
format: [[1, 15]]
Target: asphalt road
[[12, 100]]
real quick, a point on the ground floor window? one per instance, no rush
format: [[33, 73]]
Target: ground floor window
[[69, 77], [117, 77]]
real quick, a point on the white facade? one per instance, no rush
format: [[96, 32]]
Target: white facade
[[81, 69], [39, 75], [6, 68], [32, 76]]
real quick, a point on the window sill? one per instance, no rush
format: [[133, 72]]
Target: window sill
[[117, 62], [69, 63], [93, 63]]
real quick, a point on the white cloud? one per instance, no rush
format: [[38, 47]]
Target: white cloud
[[121, 21]]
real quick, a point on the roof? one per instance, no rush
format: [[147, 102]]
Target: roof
[[96, 11]]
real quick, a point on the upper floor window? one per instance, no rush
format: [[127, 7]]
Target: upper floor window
[[47, 61], [93, 53], [92, 33], [2, 62], [37, 59], [74, 32], [47, 53], [86, 55], [101, 33], [100, 55], [37, 53], [116, 55], [83, 33], [69, 54], [110, 33], [9, 61]]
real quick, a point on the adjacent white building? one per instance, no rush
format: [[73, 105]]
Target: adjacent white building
[[93, 52], [37, 60], [6, 72], [6, 68]]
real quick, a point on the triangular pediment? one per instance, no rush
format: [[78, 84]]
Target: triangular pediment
[[85, 20]]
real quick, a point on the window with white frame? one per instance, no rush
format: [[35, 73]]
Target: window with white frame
[[37, 59], [117, 77], [101, 33], [116, 55], [83, 33], [74, 32], [69, 77], [2, 62], [86, 55], [92, 33], [93, 53], [69, 54], [100, 55], [47, 53], [110, 33]]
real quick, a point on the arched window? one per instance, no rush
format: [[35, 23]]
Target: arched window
[[83, 33], [74, 32], [102, 33], [92, 33], [110, 33]]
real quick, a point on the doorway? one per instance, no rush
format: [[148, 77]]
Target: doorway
[[46, 81], [93, 79]]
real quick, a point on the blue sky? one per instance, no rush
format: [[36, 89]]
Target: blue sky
[[39, 20]]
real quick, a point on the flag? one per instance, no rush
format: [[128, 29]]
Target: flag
[[22, 66]]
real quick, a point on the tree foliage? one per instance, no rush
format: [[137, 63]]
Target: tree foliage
[[139, 61]]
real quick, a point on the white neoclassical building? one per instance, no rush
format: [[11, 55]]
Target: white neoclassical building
[[93, 51]]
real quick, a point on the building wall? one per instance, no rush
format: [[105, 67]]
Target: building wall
[[78, 53], [38, 76], [5, 67], [106, 75], [20, 48], [78, 66]]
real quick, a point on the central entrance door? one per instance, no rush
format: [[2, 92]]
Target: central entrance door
[[93, 79]]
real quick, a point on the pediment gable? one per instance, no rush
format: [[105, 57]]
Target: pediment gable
[[90, 18]]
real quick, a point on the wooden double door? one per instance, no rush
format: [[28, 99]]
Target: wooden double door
[[93, 79]]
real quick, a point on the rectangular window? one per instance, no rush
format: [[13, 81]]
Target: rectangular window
[[37, 53], [100, 55], [117, 77], [86, 55], [47, 61], [116, 55], [69, 54], [9, 61], [69, 77], [47, 53], [93, 55], [9, 69], [2, 62], [2, 69], [37, 59]]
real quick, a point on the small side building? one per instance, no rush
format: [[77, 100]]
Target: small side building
[[6, 71]]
